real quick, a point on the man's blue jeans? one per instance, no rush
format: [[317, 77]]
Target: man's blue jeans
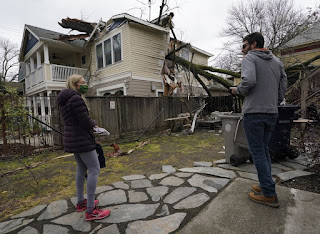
[[258, 128]]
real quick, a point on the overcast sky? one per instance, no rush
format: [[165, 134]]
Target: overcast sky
[[196, 21]]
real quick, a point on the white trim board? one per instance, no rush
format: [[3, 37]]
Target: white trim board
[[112, 88]]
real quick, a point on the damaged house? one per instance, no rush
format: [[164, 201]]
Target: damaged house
[[123, 56]]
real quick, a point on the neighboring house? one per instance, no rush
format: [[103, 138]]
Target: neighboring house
[[303, 91], [122, 56], [302, 47]]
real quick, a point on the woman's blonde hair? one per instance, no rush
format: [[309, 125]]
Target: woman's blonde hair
[[72, 81]]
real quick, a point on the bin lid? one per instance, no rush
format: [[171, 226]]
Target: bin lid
[[230, 116], [289, 107]]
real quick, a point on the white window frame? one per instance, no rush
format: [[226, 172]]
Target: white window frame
[[112, 50], [112, 89], [185, 50]]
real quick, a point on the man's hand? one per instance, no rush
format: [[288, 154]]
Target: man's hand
[[233, 90]]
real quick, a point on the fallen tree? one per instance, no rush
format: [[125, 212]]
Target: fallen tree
[[207, 71]]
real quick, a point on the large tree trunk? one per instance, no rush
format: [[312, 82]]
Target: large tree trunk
[[205, 70]]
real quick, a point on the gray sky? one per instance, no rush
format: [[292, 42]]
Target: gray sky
[[196, 21]]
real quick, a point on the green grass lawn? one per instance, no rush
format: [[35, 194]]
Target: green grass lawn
[[55, 179]]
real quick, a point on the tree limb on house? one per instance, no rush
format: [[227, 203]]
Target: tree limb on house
[[76, 24], [204, 71]]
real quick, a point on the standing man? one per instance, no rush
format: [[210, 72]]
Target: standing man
[[263, 84]]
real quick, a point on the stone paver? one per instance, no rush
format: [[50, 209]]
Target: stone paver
[[141, 184], [192, 201], [11, 225], [96, 229], [131, 212], [221, 161], [54, 229], [120, 185], [29, 230], [30, 212], [76, 220], [209, 184], [202, 164], [164, 211], [178, 194], [103, 189], [163, 225], [135, 197], [54, 209], [112, 197], [168, 169], [112, 229], [133, 177], [248, 167], [293, 165], [215, 171], [284, 176], [157, 193], [183, 174], [172, 181], [158, 176]]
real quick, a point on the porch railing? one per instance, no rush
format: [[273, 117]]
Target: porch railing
[[58, 73], [61, 73]]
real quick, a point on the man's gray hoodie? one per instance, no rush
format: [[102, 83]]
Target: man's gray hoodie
[[264, 82]]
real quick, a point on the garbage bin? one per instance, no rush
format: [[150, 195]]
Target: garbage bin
[[279, 144], [236, 146]]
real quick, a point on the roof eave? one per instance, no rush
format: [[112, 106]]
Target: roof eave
[[140, 21]]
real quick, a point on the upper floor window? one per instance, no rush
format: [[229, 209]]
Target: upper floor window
[[109, 51], [185, 54]]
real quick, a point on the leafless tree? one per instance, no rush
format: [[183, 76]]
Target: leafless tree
[[278, 20], [8, 60]]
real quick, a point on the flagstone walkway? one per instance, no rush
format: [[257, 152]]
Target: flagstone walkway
[[160, 203]]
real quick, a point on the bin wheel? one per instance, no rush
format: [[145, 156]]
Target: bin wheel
[[292, 152], [234, 161], [250, 158]]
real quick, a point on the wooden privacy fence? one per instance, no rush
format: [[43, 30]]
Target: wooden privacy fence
[[123, 115]]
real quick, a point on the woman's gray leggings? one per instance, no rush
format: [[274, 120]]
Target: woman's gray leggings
[[87, 161]]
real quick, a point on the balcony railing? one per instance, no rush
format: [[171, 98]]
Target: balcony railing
[[58, 74], [61, 73]]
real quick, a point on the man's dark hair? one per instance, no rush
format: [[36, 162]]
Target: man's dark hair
[[255, 37]]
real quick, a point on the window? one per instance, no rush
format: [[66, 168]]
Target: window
[[99, 55], [185, 54], [116, 47], [109, 51]]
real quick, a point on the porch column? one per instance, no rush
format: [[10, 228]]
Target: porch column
[[46, 54], [38, 59], [35, 107], [32, 64], [29, 103], [43, 109], [49, 92], [27, 69]]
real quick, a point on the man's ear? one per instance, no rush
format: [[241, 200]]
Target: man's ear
[[254, 44]]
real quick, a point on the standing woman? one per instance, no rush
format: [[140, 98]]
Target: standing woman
[[79, 139]]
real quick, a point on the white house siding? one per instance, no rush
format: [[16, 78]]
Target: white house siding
[[148, 50], [111, 71], [143, 88]]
